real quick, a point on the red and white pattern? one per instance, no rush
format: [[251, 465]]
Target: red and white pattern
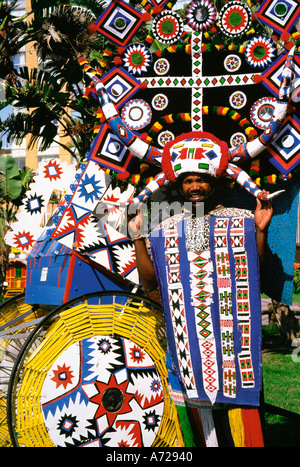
[[235, 18], [224, 284], [177, 308], [51, 175], [167, 27], [103, 391], [237, 238], [202, 289]]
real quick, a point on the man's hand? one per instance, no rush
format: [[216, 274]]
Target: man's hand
[[135, 224], [262, 218], [136, 227], [263, 214]]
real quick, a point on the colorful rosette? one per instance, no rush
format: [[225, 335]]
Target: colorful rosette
[[238, 99], [260, 52], [262, 111], [237, 139], [161, 66], [232, 63], [136, 114], [165, 137], [167, 27], [235, 19], [160, 102], [137, 59], [201, 14]]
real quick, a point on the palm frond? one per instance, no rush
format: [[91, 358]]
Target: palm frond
[[65, 33], [12, 37]]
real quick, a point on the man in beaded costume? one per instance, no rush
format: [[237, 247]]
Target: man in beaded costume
[[205, 263]]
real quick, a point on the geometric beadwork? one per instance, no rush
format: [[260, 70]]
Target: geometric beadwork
[[108, 151], [242, 301], [119, 22], [271, 77], [223, 272], [279, 15], [285, 148], [176, 300], [202, 286], [235, 18], [120, 85]]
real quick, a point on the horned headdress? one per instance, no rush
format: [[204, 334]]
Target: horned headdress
[[199, 151], [202, 152]]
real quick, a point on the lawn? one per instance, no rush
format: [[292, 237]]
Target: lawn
[[281, 379]]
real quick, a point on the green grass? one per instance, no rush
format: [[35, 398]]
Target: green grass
[[281, 379], [296, 297]]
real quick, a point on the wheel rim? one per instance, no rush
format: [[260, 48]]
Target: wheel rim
[[17, 320], [52, 379]]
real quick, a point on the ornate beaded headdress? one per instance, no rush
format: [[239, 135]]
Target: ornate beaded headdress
[[199, 152]]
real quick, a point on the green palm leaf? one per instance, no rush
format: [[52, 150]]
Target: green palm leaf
[[10, 178]]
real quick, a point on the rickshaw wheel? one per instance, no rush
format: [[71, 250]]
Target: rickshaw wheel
[[93, 373], [17, 320]]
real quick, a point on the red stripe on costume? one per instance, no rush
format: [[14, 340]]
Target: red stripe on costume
[[252, 428]]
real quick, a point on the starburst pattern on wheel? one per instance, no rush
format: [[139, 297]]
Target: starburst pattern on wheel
[[62, 376], [112, 399], [151, 420], [67, 425]]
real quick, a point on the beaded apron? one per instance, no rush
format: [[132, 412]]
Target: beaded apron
[[207, 269]]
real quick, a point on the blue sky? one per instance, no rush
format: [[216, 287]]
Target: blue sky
[[3, 115]]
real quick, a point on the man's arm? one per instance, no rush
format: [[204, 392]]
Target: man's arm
[[144, 263], [145, 266], [262, 217]]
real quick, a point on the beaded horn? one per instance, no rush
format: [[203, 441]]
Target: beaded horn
[[228, 162]]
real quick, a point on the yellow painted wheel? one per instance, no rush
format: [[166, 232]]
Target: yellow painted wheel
[[17, 321], [93, 373]]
